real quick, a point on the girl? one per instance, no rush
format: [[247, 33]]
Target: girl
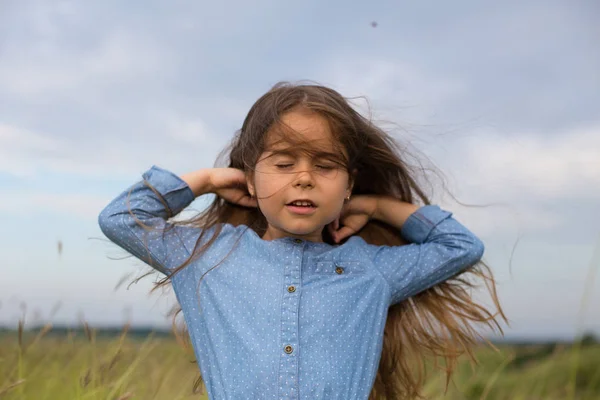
[[314, 274]]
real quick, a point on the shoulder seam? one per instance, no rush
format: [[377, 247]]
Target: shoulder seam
[[375, 267]]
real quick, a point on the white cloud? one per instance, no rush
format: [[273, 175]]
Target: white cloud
[[54, 49], [27, 154], [23, 152], [563, 166], [52, 70], [188, 130], [169, 138], [391, 85], [22, 202], [507, 221], [519, 176], [521, 184]]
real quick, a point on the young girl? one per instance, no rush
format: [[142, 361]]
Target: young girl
[[314, 274]]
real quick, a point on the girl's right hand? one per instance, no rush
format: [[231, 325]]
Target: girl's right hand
[[230, 184]]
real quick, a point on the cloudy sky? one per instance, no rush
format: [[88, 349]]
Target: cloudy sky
[[502, 97]]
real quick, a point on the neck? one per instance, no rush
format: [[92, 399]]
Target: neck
[[274, 233]]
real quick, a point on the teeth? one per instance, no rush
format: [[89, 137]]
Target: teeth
[[301, 203]]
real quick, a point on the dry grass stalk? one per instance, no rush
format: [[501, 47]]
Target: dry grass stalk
[[11, 386]]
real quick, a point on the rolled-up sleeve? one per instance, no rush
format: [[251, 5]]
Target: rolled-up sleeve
[[440, 248], [136, 220]]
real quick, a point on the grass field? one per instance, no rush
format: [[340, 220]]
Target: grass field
[[48, 365]]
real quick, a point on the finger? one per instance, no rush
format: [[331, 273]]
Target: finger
[[331, 229], [247, 201], [251, 202], [343, 233]]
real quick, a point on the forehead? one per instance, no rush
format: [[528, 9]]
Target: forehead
[[296, 127]]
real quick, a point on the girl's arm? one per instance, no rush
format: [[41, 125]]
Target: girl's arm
[[440, 247], [392, 211], [199, 182], [136, 220]]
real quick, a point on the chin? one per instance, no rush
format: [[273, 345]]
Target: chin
[[300, 230]]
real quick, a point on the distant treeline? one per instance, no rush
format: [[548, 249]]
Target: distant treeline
[[109, 332], [143, 332]]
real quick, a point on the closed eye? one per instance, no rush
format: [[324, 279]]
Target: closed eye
[[324, 167]]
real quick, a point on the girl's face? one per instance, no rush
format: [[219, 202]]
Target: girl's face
[[283, 176]]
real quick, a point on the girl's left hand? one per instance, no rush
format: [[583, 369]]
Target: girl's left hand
[[354, 216]]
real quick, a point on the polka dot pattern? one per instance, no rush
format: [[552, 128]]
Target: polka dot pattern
[[253, 337]]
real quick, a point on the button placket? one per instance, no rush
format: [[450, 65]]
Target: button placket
[[288, 365]]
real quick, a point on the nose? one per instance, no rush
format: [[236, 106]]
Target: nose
[[304, 178]]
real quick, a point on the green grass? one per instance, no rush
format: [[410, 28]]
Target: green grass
[[38, 365], [86, 367], [527, 372]]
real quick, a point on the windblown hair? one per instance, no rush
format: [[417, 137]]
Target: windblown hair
[[440, 323]]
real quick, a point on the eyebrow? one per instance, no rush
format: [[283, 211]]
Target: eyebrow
[[319, 154]]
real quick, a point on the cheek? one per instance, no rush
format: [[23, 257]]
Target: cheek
[[263, 186], [270, 184], [338, 190]]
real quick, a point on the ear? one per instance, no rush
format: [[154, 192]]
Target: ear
[[351, 180], [250, 184]]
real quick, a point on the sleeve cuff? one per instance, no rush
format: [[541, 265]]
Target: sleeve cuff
[[420, 223], [175, 191]]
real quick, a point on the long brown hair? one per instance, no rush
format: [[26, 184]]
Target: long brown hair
[[439, 323]]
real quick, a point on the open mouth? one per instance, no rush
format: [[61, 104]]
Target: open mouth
[[302, 203], [301, 207]]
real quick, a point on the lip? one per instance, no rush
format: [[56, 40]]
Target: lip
[[301, 210], [308, 200]]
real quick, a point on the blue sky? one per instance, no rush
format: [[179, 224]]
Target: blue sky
[[503, 97]]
